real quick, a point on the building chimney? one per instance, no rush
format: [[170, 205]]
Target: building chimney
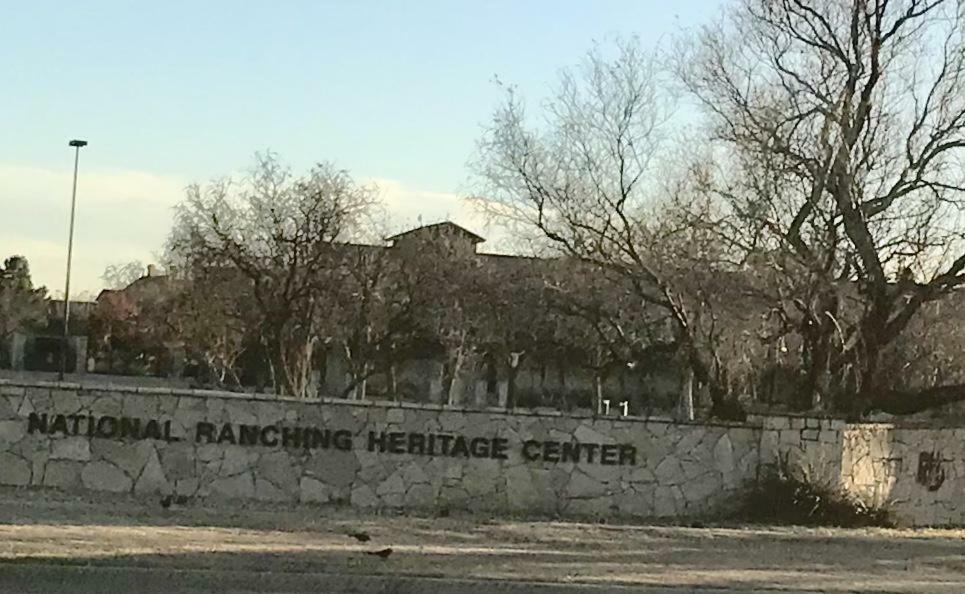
[[151, 270]]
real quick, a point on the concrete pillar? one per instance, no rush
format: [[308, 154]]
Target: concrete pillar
[[435, 369], [80, 354], [313, 384], [457, 391], [177, 360], [502, 389], [481, 396], [337, 376], [18, 348]]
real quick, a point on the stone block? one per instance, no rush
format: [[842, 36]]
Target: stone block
[[277, 468], [413, 473], [395, 416], [152, 478], [107, 405], [667, 502], [63, 474], [236, 459], [391, 491], [266, 490], [778, 423], [241, 413], [699, 490], [635, 503], [187, 486], [724, 453], [586, 432], [14, 470], [178, 461], [419, 496], [71, 448], [669, 471], [26, 407], [828, 436], [582, 486], [790, 437], [129, 457], [9, 406], [12, 432], [594, 508], [104, 476], [9, 390], [140, 406], [239, 486], [38, 398], [65, 401], [640, 474], [522, 492], [363, 497], [268, 413], [312, 490], [693, 436]]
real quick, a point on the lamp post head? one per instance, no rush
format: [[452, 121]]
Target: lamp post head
[[77, 143]]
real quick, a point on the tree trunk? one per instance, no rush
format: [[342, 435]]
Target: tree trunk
[[393, 382], [598, 377], [361, 389], [453, 385], [723, 406]]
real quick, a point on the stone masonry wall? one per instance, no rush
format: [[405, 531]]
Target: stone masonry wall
[[150, 441], [917, 473]]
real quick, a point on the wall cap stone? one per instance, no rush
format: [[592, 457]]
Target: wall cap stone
[[384, 404]]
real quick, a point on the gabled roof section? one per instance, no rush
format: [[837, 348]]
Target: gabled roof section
[[444, 228]]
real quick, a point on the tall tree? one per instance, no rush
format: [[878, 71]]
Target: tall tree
[[21, 305], [120, 275], [278, 232], [842, 129], [590, 179]]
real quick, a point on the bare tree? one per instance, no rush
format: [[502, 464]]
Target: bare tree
[[371, 319], [444, 289], [279, 233], [120, 275], [841, 126], [590, 179], [210, 315]]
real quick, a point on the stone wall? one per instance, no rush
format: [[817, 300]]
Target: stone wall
[[150, 441], [917, 473], [371, 455]]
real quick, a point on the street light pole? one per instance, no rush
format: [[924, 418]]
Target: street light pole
[[77, 144]]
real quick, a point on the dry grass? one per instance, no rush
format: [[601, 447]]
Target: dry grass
[[36, 527]]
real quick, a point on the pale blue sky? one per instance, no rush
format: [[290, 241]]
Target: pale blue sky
[[172, 92]]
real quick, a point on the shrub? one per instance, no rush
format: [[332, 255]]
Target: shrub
[[782, 497]]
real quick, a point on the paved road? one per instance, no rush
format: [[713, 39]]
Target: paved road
[[37, 578]]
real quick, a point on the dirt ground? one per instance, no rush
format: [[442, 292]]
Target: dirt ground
[[38, 529]]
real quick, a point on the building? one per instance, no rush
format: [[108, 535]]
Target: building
[[509, 359]]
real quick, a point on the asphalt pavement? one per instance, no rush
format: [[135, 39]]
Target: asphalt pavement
[[26, 577]]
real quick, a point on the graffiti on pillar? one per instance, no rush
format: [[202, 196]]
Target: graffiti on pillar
[[930, 471]]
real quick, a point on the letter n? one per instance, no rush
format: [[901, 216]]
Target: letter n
[[37, 422]]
